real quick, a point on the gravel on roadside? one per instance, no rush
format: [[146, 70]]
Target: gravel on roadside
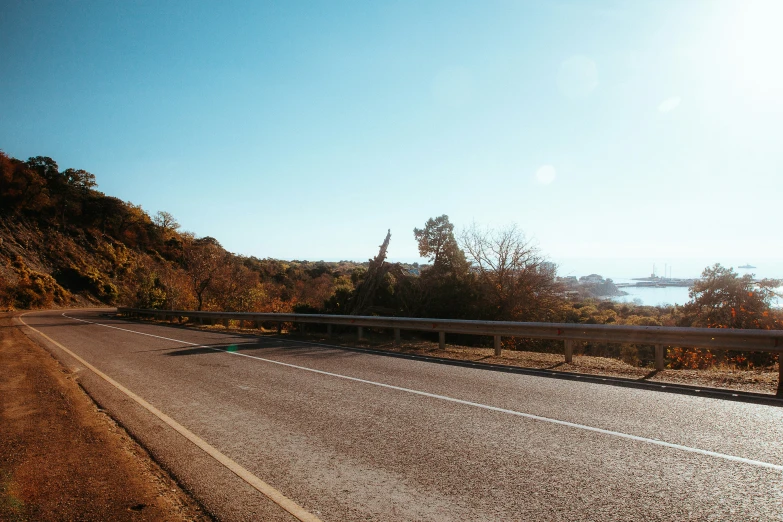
[[61, 458]]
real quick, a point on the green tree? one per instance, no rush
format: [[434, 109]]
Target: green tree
[[437, 243], [445, 289]]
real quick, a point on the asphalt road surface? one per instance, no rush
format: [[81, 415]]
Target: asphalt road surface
[[354, 436]]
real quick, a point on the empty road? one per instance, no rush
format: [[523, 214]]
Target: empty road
[[342, 435]]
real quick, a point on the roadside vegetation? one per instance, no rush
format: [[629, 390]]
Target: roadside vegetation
[[64, 243]]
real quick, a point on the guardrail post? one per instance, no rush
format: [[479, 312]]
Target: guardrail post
[[329, 330], [279, 328], [569, 351], [659, 357], [396, 336], [360, 334], [302, 327], [442, 340], [225, 323], [780, 375], [498, 349]]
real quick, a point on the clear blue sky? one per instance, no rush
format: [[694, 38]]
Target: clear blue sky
[[650, 130]]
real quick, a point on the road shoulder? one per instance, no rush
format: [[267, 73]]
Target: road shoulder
[[61, 458]]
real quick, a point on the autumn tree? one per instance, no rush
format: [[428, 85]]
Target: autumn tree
[[79, 179], [72, 189], [134, 228], [45, 166], [724, 299], [179, 292], [21, 188], [316, 291], [203, 258], [233, 286]]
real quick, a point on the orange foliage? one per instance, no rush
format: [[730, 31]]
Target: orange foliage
[[690, 358]]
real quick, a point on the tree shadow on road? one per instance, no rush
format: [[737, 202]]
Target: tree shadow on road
[[648, 376], [266, 347]]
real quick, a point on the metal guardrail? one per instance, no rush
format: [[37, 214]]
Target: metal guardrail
[[658, 336]]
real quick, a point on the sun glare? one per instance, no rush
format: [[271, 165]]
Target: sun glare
[[756, 43], [546, 174]]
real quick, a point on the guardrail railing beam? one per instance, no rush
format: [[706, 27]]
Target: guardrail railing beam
[[658, 336]]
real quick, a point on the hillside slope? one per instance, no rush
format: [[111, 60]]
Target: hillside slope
[[44, 267], [64, 243]]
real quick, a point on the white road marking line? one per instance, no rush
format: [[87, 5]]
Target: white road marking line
[[652, 385], [131, 331], [724, 456], [273, 494]]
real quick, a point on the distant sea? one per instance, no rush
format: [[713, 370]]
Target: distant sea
[[669, 295], [620, 269], [624, 270]]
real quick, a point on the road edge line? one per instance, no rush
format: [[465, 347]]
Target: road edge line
[[262, 487]]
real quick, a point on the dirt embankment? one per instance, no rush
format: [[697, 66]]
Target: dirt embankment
[[759, 380], [61, 458]]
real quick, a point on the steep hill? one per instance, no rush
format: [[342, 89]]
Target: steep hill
[[64, 243]]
